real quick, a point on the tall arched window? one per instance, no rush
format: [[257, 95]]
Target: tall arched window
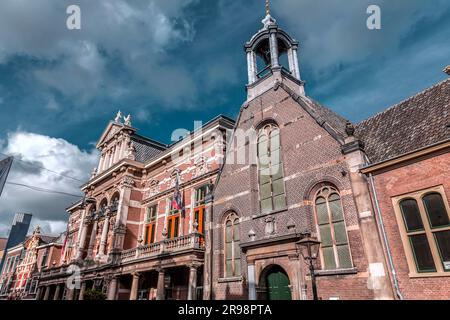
[[271, 183], [232, 249], [332, 230]]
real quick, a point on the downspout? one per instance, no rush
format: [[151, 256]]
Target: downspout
[[385, 239]]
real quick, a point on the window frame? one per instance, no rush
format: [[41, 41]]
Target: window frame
[[266, 130], [231, 217], [428, 230], [150, 224], [199, 207], [172, 216], [331, 223]]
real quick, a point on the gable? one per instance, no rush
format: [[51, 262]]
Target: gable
[[111, 130]]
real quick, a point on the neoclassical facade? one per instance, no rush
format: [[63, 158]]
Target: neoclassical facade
[[126, 238]]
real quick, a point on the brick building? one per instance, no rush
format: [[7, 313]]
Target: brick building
[[23, 264], [408, 148], [375, 194], [127, 237], [298, 176]]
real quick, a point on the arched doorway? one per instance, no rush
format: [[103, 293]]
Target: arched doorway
[[276, 283]]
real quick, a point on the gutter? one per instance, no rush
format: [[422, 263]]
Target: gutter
[[385, 239]]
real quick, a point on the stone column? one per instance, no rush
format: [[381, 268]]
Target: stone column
[[295, 61], [274, 48], [251, 281], [70, 294], [160, 291], [82, 291], [192, 286], [39, 293], [251, 66], [57, 295], [207, 268], [105, 160], [47, 293], [93, 238], [83, 234], [134, 287], [111, 157], [104, 235], [101, 162], [112, 289], [122, 213]]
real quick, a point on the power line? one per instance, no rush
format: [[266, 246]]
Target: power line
[[43, 168], [38, 189]]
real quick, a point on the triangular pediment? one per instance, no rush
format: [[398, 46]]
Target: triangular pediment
[[111, 130]]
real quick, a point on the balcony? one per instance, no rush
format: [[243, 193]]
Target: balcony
[[190, 242], [54, 272]]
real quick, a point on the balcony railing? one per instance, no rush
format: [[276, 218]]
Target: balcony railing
[[58, 271], [191, 241]]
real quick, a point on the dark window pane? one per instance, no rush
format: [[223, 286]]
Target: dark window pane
[[279, 202], [266, 205], [422, 253], [265, 191], [236, 232], [345, 260], [443, 242], [229, 250], [328, 257], [278, 187], [340, 233], [321, 209], [229, 268], [325, 235], [264, 176], [336, 208], [237, 267], [228, 232], [411, 215], [435, 208]]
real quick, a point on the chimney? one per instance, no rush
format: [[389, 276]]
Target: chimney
[[447, 70]]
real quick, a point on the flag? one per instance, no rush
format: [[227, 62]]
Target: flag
[[177, 201], [5, 166]]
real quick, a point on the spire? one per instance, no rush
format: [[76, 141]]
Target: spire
[[268, 20]]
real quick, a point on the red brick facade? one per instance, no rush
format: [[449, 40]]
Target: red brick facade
[[405, 178]]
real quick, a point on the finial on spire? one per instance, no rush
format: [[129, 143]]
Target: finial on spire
[[268, 20]]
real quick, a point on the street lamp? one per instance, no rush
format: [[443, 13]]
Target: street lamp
[[309, 249]]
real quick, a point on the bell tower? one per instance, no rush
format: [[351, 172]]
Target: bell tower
[[264, 53]]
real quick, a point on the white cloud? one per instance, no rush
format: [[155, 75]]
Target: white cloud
[[333, 33], [128, 33], [58, 155]]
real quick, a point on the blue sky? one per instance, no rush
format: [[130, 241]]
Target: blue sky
[[171, 62]]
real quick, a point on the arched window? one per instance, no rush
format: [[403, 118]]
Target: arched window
[[271, 183], [232, 249], [427, 232], [103, 206], [115, 202], [332, 230]]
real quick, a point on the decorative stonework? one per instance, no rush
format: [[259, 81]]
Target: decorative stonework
[[128, 181], [270, 228], [201, 166]]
